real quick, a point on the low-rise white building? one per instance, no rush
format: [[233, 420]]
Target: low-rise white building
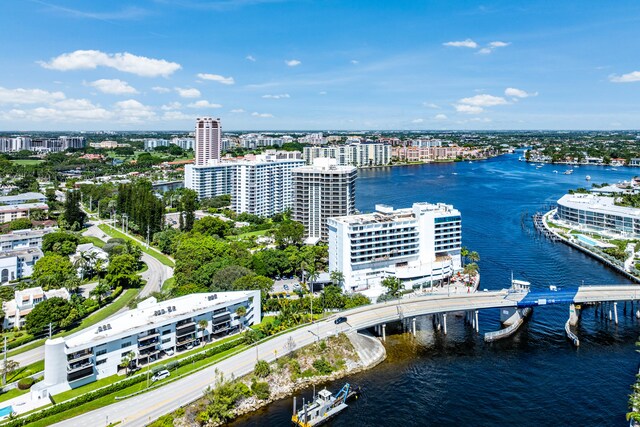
[[23, 198], [418, 245], [16, 310], [591, 212], [148, 331], [92, 254], [22, 239], [18, 263], [10, 212]]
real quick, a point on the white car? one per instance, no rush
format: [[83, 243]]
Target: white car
[[160, 375], [169, 352]]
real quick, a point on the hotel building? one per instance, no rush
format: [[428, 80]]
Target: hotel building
[[148, 331], [322, 191], [207, 140], [418, 245], [599, 214]]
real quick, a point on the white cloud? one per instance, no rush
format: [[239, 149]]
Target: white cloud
[[65, 111], [416, 121], [250, 58], [28, 96], [161, 89], [633, 76], [125, 62], [188, 92], [237, 111], [485, 51], [463, 43], [497, 44], [322, 92], [176, 115], [203, 104], [217, 78], [261, 115], [469, 109], [112, 86], [171, 106], [440, 117], [431, 105], [518, 93], [280, 96], [132, 111], [355, 61], [483, 100], [292, 62]]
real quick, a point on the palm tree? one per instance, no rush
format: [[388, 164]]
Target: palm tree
[[473, 256], [100, 291], [470, 270], [241, 312], [126, 361], [393, 285], [8, 367], [464, 251], [337, 277], [202, 325]]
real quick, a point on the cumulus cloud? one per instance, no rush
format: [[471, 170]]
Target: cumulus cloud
[[280, 96], [355, 61], [217, 78], [28, 96], [112, 86], [292, 62], [440, 117], [463, 43], [133, 111], [416, 121], [518, 93], [237, 111], [171, 106], [161, 89], [188, 92], [469, 109], [261, 115], [483, 100], [492, 46], [176, 115], [250, 58], [125, 62], [204, 104], [485, 51], [431, 105], [633, 76], [322, 92], [65, 111]]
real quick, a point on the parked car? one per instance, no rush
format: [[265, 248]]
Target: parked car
[[160, 375], [296, 286], [169, 352], [340, 319], [189, 346], [286, 287]]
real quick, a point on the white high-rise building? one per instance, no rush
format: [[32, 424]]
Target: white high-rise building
[[208, 139], [322, 191], [419, 245], [359, 154]]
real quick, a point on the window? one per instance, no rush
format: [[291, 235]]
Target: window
[[125, 344], [100, 362], [166, 340], [4, 277], [168, 331], [101, 352]]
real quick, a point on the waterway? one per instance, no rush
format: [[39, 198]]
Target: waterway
[[536, 378]]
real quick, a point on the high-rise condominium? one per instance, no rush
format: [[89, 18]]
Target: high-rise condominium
[[208, 138]]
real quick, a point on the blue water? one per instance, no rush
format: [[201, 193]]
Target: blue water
[[536, 378], [7, 410], [587, 240]]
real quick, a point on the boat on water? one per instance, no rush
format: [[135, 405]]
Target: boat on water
[[569, 172], [323, 407], [555, 171], [588, 178]]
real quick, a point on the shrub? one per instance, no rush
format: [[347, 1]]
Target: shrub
[[294, 368], [25, 383], [261, 389], [322, 366], [262, 369]]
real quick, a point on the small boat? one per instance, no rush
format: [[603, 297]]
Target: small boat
[[555, 171], [569, 172], [588, 178], [323, 407], [470, 161]]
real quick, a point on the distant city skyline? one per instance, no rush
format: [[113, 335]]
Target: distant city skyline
[[305, 65]]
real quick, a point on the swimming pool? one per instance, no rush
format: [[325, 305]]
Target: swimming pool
[[589, 241], [7, 410]]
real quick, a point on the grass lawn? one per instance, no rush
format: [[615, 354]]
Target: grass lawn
[[14, 392], [249, 234], [168, 284], [25, 371], [91, 239], [27, 162], [115, 233]]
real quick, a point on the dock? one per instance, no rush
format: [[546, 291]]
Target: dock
[[538, 223]]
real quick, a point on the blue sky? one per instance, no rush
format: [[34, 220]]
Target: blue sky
[[303, 64]]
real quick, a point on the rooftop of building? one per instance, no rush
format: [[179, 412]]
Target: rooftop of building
[[26, 253], [596, 203], [29, 232], [151, 313], [386, 213], [325, 165], [23, 207], [6, 200]]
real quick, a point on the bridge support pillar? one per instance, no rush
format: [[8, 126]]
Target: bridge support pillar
[[477, 325], [444, 323], [615, 312], [414, 326], [384, 332], [573, 315], [610, 316]]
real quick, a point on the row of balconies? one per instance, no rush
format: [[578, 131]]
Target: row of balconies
[[79, 355]]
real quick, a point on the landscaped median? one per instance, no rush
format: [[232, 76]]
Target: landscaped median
[[111, 231]]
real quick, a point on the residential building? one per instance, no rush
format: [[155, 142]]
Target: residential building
[[153, 143], [418, 245], [184, 143], [12, 145], [322, 191], [634, 162], [591, 212], [92, 255], [23, 198], [18, 263], [313, 138], [358, 154], [148, 331], [58, 144], [208, 144], [23, 239], [72, 142], [10, 212], [17, 309], [252, 141], [108, 145], [260, 184]]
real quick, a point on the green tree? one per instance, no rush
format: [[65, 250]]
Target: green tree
[[254, 282], [20, 224], [60, 242], [126, 360], [393, 285], [473, 256], [73, 215], [289, 233], [101, 291], [202, 325], [167, 240], [470, 270], [52, 271], [7, 368], [53, 310], [121, 271], [188, 205], [337, 277], [212, 226], [260, 389], [224, 278], [464, 252], [262, 369]]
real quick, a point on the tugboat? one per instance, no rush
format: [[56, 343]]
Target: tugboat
[[322, 408]]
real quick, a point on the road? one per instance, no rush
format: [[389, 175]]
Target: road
[[144, 408]]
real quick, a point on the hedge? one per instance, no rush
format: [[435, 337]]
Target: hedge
[[25, 383], [112, 388]]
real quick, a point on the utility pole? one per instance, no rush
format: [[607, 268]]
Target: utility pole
[[50, 330], [148, 231], [4, 366]]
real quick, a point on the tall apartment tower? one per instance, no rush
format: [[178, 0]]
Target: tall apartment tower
[[208, 139], [320, 191]]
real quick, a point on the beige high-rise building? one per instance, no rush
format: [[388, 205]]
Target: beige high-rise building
[[208, 139], [320, 191]]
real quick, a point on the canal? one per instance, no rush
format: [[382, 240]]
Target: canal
[[536, 378]]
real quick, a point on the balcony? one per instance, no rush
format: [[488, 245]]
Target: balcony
[[73, 367], [80, 373], [148, 344], [185, 329], [185, 322], [79, 355], [186, 340], [148, 337]]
